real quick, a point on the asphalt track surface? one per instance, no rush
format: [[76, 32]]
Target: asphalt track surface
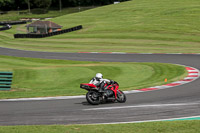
[[175, 102]]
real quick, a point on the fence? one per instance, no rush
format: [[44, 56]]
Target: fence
[[1, 13], [48, 34], [12, 22], [6, 27], [5, 80]]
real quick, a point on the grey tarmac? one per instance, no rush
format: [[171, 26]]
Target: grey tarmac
[[175, 102]]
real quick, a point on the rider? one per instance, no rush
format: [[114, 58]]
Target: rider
[[100, 82]]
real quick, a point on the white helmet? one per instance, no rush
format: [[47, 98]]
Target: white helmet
[[99, 75]]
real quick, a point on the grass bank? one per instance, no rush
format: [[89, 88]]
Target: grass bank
[[21, 14], [42, 77], [150, 127], [136, 26]]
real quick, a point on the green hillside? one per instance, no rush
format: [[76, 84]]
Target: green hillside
[[140, 26]]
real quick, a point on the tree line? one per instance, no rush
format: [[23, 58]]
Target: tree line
[[6, 5]]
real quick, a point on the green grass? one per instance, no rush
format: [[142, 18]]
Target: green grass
[[136, 26], [149, 127], [139, 26], [15, 15], [42, 77]]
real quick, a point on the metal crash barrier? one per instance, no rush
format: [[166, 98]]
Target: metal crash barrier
[[48, 34], [6, 80]]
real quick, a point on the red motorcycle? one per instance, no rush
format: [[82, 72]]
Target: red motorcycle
[[111, 93]]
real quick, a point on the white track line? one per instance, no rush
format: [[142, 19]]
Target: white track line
[[43, 98], [156, 120], [141, 106]]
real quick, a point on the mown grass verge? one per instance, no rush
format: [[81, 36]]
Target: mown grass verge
[[42, 77], [150, 127]]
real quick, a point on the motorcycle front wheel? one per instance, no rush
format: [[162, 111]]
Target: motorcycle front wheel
[[93, 98], [121, 97]]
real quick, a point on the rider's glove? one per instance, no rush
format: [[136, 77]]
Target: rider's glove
[[111, 82]]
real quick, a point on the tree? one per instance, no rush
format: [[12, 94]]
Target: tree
[[45, 4], [42, 3], [29, 5], [60, 5], [6, 4]]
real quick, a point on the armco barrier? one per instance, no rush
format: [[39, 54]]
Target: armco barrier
[[5, 80], [12, 22], [49, 34], [5, 27]]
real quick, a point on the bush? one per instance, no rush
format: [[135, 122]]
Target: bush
[[39, 11]]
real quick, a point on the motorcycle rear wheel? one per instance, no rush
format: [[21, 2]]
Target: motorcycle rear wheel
[[121, 97], [93, 98]]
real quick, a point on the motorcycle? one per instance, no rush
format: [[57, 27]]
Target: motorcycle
[[111, 93]]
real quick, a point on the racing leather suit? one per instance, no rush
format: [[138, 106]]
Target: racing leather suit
[[99, 82]]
